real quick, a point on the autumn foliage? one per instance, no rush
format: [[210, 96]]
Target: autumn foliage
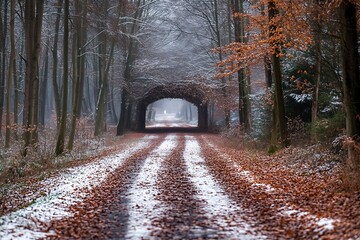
[[293, 31]]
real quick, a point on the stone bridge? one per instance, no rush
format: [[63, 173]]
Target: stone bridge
[[145, 94]]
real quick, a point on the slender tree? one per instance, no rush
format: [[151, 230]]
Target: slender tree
[[78, 66], [317, 18], [279, 131], [33, 25], [130, 58], [244, 100], [56, 92], [44, 85], [10, 73], [3, 49], [62, 129]]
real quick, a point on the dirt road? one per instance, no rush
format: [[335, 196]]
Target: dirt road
[[166, 186]]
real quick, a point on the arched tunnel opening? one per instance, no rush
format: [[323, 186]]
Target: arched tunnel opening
[[186, 95], [171, 113]]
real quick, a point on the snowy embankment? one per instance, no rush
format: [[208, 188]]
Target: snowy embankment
[[68, 190], [143, 207], [288, 209], [222, 212]]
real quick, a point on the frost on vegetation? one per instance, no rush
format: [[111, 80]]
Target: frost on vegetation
[[334, 104], [312, 159], [218, 207], [300, 98], [143, 206], [66, 190]]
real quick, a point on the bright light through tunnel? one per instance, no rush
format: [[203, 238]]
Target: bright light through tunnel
[[171, 113]]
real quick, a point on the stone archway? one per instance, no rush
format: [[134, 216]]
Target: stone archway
[[189, 92]]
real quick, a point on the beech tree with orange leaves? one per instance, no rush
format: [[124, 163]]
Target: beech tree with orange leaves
[[274, 26]]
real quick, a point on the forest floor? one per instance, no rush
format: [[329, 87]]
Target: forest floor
[[186, 186]]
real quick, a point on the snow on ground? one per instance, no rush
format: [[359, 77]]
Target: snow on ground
[[170, 120], [67, 191], [287, 210], [143, 207], [218, 207]]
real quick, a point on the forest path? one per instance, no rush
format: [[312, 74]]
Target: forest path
[[169, 186]]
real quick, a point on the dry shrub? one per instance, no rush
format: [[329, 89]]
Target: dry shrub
[[40, 158], [351, 171], [236, 137], [297, 131]]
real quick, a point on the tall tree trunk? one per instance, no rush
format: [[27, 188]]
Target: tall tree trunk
[[10, 73], [129, 116], [57, 99], [100, 103], [315, 101], [244, 100], [279, 139], [43, 87], [112, 106], [220, 56], [62, 129], [78, 67], [3, 32], [33, 25], [130, 58], [120, 128], [267, 59], [351, 74], [16, 94], [100, 115]]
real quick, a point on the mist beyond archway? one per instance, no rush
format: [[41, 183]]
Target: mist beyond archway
[[171, 113]]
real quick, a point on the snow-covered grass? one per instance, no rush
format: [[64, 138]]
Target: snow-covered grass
[[66, 190], [287, 210], [143, 207], [218, 207]]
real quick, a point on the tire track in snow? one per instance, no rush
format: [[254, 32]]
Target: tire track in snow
[[142, 204], [69, 190], [178, 193], [223, 213], [318, 224]]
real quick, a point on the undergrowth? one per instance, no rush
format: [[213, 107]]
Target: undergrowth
[[41, 159], [351, 170]]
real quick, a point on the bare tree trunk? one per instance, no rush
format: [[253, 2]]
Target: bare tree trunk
[[130, 58], [78, 68], [120, 128], [112, 105], [100, 104], [55, 63], [351, 75], [315, 102], [33, 26], [244, 88], [280, 132], [220, 56], [10, 73], [100, 120], [16, 95], [62, 129], [3, 32], [43, 87], [267, 60]]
